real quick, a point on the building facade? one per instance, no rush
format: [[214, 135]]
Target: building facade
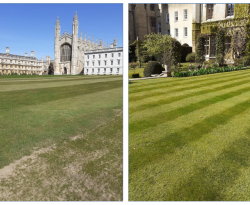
[[70, 50], [17, 64], [231, 18], [142, 20], [186, 22], [104, 62]]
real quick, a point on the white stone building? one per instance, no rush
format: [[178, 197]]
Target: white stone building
[[176, 20], [17, 64], [70, 50], [106, 61]]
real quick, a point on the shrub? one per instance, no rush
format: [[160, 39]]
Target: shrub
[[135, 75], [153, 67], [244, 61], [204, 71], [190, 57]]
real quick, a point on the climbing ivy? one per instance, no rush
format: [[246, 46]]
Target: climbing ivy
[[241, 10], [247, 38], [219, 44], [200, 53]]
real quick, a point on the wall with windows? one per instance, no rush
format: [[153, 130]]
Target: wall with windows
[[180, 19], [142, 20], [29, 65], [104, 62], [216, 12], [162, 15]]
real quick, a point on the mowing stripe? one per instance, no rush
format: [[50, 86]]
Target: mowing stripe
[[50, 85], [170, 143], [14, 81], [186, 161], [179, 88], [198, 187], [148, 85], [163, 117], [143, 105], [170, 170], [28, 97]]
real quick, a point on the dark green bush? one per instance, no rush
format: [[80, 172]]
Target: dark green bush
[[135, 75], [190, 57], [153, 67], [244, 61]]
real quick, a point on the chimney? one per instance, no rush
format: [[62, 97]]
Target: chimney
[[32, 53], [25, 54], [7, 50]]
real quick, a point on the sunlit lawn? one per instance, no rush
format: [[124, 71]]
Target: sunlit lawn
[[189, 138], [75, 125]]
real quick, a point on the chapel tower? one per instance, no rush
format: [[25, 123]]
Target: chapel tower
[[74, 63], [57, 55]]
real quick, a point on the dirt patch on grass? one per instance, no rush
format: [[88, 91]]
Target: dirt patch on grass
[[8, 170], [87, 167]]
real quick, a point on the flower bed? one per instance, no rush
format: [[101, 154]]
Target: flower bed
[[206, 71]]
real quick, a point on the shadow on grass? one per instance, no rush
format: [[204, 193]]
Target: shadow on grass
[[132, 82]]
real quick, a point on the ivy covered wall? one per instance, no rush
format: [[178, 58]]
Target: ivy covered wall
[[241, 10]]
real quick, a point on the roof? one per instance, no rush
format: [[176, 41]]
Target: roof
[[105, 50], [17, 56]]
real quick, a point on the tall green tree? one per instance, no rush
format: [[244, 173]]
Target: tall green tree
[[159, 45]]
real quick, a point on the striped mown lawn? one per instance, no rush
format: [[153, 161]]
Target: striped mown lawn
[[189, 138], [61, 138]]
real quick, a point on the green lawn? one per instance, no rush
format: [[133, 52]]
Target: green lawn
[[189, 138], [61, 138], [137, 70]]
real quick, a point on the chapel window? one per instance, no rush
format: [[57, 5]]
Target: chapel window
[[65, 53]]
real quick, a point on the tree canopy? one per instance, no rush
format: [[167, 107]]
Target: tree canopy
[[158, 45]]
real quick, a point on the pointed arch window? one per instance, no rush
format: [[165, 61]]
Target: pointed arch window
[[66, 52]]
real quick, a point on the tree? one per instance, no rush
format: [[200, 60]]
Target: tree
[[51, 69], [159, 45], [175, 52], [133, 65], [139, 51]]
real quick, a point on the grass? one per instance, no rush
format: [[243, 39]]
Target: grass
[[62, 135], [137, 70], [189, 138]]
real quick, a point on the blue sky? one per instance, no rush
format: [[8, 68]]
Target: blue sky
[[28, 27]]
